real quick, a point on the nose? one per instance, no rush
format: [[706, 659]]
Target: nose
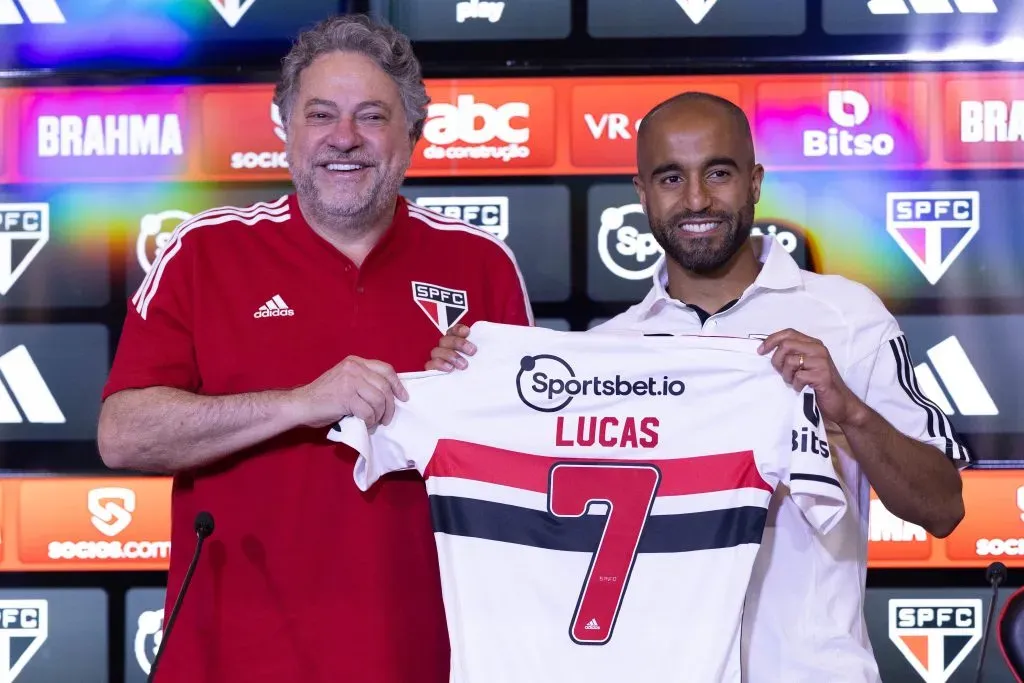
[[345, 135], [695, 196]]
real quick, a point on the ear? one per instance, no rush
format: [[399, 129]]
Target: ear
[[640, 191], [755, 182]]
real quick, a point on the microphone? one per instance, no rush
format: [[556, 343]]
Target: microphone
[[995, 575], [204, 527]]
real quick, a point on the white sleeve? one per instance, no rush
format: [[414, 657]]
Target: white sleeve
[[406, 443], [811, 475], [892, 389]]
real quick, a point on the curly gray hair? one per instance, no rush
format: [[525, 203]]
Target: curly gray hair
[[358, 33]]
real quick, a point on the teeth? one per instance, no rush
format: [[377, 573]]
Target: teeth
[[698, 227], [343, 167]]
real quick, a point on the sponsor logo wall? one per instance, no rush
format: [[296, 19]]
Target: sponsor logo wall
[[96, 179], [527, 126]]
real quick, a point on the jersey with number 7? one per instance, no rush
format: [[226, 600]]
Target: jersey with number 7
[[598, 500]]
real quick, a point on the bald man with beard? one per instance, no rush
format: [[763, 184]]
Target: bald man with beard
[[698, 181]]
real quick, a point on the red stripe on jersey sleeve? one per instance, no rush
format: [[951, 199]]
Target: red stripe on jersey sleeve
[[679, 476]]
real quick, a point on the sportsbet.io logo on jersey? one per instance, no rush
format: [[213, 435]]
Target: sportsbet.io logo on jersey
[[548, 384]]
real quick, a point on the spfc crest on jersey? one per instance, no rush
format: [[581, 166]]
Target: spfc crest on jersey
[[935, 635], [24, 231], [443, 306]]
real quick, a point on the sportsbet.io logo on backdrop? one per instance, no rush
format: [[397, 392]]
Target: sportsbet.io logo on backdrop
[[548, 384]]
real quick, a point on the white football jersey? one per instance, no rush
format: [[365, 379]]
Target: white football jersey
[[598, 500]]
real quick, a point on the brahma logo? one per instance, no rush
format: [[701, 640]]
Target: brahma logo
[[549, 384], [470, 129], [847, 109], [935, 635], [991, 121]]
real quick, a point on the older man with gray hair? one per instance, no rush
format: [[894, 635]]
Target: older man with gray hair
[[260, 326]]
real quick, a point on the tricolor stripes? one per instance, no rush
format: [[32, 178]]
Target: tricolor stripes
[[439, 222], [276, 212], [938, 427], [713, 501]]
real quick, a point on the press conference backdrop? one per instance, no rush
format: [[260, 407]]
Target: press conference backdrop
[[908, 182]]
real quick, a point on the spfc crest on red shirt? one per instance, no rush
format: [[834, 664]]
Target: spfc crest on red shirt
[[443, 306]]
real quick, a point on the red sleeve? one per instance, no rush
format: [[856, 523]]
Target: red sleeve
[[511, 298], [157, 344]]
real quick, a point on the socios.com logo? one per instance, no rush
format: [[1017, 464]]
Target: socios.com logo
[[549, 384]]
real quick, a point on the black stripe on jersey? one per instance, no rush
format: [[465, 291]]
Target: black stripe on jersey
[[936, 419], [538, 528], [815, 477]]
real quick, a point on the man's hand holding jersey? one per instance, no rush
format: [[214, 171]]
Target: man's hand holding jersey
[[448, 354], [804, 361], [366, 389]]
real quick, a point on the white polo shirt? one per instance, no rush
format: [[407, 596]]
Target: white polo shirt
[[804, 616]]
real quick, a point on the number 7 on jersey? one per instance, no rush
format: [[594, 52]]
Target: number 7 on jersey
[[629, 491]]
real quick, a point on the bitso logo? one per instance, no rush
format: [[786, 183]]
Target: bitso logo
[[148, 636], [21, 621], [932, 228], [806, 440], [628, 251], [111, 509], [549, 384], [935, 635], [24, 231], [476, 130], [443, 306], [847, 109], [155, 230]]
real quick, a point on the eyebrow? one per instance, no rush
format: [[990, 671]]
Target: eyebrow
[[673, 167], [320, 102]]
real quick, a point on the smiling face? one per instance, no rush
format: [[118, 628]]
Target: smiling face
[[348, 138], [698, 182]]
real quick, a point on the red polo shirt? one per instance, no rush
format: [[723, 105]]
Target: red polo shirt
[[305, 578]]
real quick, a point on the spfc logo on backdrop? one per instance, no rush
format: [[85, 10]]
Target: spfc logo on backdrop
[[932, 228], [24, 231], [935, 635], [443, 306], [24, 627]]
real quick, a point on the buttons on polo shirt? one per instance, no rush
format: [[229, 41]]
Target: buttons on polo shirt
[[359, 289], [711, 325]]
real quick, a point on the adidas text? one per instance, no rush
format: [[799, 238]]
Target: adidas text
[[272, 314]]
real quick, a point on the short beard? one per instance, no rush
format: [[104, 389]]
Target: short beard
[[704, 256], [359, 213]]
